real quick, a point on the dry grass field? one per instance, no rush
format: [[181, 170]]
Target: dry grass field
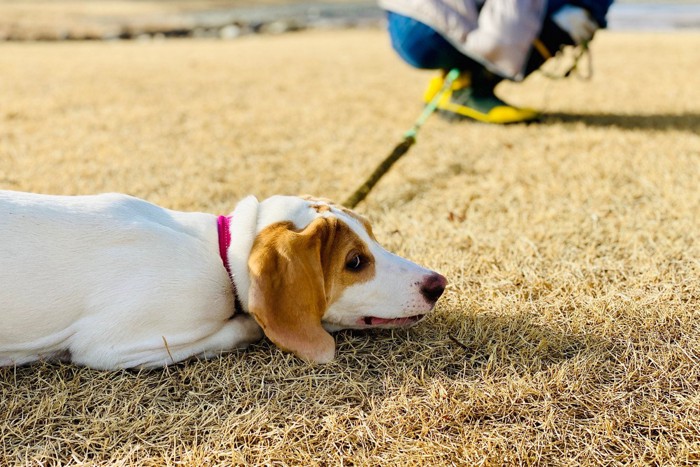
[[569, 334]]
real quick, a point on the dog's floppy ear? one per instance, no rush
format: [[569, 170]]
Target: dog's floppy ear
[[287, 293]]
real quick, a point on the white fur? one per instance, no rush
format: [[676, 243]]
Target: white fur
[[243, 231], [116, 282]]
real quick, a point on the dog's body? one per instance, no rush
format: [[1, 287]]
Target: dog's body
[[111, 281]]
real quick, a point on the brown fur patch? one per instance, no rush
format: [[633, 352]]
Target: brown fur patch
[[296, 275], [334, 256], [361, 219]]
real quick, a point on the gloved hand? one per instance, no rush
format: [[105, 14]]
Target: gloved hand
[[576, 22]]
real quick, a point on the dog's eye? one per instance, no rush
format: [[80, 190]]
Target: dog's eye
[[354, 263]]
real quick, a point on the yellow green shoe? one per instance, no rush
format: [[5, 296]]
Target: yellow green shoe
[[435, 85], [463, 102]]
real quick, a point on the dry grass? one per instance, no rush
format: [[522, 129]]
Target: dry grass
[[569, 334]]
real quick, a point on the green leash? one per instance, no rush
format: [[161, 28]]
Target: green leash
[[409, 138]]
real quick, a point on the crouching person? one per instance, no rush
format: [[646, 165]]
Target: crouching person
[[488, 41]]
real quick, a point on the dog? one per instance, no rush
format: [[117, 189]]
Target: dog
[[111, 281]]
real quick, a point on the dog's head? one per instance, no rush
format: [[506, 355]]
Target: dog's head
[[316, 267]]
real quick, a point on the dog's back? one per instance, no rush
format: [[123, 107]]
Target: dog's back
[[86, 264]]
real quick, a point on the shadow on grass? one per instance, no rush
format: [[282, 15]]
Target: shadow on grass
[[456, 349], [468, 349], [686, 121], [370, 367], [484, 343], [377, 372]]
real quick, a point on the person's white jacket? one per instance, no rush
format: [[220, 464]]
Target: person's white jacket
[[496, 33]]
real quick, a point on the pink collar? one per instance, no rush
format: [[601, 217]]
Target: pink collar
[[223, 224]]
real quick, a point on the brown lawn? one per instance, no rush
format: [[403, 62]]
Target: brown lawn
[[570, 332]]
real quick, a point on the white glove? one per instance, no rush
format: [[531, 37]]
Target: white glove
[[576, 22]]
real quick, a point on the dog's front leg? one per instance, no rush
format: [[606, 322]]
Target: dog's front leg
[[238, 333]]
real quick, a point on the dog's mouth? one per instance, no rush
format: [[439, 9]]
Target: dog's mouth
[[394, 323]]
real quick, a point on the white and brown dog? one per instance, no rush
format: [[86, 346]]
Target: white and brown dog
[[111, 281]]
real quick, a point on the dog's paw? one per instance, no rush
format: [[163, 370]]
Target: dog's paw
[[250, 330]]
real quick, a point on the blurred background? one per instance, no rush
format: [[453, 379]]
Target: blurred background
[[53, 20]]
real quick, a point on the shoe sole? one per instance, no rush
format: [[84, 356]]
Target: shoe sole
[[460, 112]]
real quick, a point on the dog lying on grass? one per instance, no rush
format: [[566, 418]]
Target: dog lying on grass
[[111, 281]]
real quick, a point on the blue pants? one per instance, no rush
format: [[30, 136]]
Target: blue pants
[[421, 46]]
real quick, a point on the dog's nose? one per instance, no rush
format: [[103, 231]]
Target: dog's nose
[[433, 287]]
